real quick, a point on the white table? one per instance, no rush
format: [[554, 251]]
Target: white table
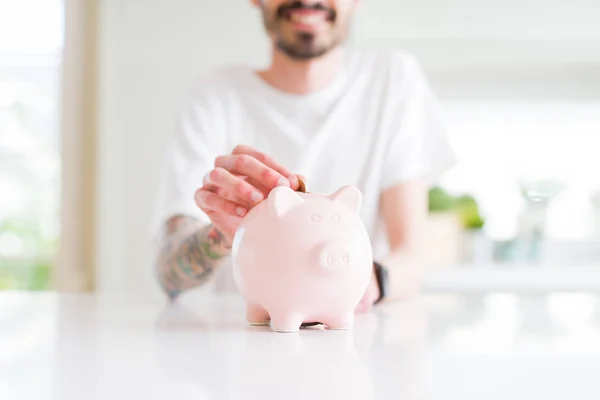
[[494, 346]]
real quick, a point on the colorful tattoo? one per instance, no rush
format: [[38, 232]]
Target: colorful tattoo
[[190, 254]]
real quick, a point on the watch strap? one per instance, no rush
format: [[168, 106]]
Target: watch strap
[[381, 274]]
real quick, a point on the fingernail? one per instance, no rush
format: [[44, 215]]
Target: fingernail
[[200, 197], [256, 196], [294, 180], [283, 182], [241, 211]]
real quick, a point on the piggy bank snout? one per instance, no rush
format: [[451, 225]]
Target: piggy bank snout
[[335, 255]]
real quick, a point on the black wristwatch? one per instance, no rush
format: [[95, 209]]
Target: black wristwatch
[[381, 274]]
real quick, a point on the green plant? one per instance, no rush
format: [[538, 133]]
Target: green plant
[[468, 210], [32, 275], [31, 268], [440, 200], [465, 206]]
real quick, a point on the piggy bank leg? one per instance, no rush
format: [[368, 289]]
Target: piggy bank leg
[[286, 322], [343, 320], [256, 315]]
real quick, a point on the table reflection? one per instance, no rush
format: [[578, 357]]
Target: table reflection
[[381, 357]]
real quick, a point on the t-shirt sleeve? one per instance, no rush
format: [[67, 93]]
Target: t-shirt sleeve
[[196, 141], [418, 146]]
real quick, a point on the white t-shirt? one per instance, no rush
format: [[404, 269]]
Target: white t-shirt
[[376, 125]]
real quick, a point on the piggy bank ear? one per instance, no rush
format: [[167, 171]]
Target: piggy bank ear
[[349, 196], [282, 199]]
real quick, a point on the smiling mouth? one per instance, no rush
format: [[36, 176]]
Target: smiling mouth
[[306, 15], [309, 18]]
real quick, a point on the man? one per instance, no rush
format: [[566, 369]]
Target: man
[[333, 116]]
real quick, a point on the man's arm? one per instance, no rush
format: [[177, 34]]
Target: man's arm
[[190, 252], [404, 208]]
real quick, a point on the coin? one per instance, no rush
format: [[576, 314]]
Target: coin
[[301, 186]]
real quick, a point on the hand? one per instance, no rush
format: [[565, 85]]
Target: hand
[[238, 182], [370, 297]]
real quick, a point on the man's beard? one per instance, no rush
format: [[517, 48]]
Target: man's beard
[[304, 46]]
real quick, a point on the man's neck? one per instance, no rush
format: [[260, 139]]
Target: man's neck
[[302, 77]]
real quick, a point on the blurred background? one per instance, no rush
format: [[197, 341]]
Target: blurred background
[[89, 90]]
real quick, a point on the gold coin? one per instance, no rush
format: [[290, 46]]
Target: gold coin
[[301, 186]]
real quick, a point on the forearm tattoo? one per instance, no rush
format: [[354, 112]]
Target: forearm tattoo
[[190, 254]]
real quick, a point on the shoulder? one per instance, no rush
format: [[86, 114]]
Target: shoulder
[[218, 81], [201, 113]]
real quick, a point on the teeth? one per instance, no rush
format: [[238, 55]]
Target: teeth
[[307, 19]]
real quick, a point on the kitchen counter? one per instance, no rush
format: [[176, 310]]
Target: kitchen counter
[[474, 346]]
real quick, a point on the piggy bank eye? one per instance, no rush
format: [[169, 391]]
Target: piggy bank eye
[[315, 218], [335, 217]]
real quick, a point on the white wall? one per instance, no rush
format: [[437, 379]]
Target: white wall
[[568, 28], [475, 48], [152, 49]]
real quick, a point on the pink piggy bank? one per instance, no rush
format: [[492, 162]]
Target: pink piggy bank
[[303, 257]]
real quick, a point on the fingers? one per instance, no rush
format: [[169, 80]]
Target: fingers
[[244, 164], [230, 196], [268, 161], [258, 185], [233, 188], [241, 180], [210, 202]]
